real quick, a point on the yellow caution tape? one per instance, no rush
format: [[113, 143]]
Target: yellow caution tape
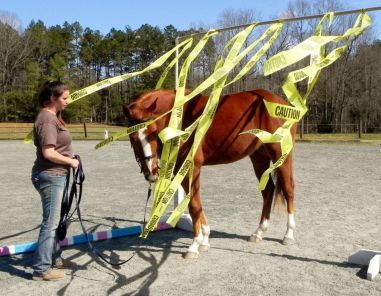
[[171, 145], [172, 135], [283, 111], [167, 188], [205, 120], [110, 81], [170, 66], [292, 114], [216, 75]]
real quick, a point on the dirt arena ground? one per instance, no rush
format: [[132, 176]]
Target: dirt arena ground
[[338, 212]]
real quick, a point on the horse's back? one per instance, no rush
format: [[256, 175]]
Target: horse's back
[[236, 113]]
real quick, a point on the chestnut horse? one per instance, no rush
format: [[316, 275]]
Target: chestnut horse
[[222, 144]]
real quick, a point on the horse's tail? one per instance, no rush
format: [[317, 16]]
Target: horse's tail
[[279, 201]]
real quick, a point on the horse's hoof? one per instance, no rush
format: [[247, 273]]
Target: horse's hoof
[[255, 238], [288, 241], [203, 248], [191, 255]]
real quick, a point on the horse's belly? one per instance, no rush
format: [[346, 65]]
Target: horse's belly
[[219, 152]]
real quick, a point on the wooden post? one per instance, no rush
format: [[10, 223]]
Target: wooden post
[[85, 129], [301, 128], [359, 128]]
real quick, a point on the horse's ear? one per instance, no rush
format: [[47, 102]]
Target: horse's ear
[[150, 105], [126, 111]]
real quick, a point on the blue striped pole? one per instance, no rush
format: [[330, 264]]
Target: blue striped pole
[[80, 239]]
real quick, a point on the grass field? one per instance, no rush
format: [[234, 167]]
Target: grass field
[[341, 137], [18, 131]]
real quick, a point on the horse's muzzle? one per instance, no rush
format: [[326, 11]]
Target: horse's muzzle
[[151, 178]]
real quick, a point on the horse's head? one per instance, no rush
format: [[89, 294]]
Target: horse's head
[[145, 142]]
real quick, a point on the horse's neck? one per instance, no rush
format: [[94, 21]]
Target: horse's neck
[[166, 104]]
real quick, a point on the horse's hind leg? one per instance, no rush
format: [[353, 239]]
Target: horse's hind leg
[[261, 163], [286, 180], [284, 184], [201, 229]]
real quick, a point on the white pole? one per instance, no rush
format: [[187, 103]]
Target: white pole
[[179, 196], [177, 65]]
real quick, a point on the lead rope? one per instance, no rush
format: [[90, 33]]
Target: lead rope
[[93, 249]]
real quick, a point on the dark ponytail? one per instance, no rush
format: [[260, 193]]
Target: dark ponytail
[[52, 89]]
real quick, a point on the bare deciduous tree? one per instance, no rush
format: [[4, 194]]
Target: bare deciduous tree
[[14, 49]]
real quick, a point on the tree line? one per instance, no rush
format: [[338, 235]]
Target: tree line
[[79, 57], [347, 92]]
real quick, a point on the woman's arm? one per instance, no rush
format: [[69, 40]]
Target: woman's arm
[[49, 153]]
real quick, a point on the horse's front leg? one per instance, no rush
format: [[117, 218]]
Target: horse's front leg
[[201, 229], [205, 231]]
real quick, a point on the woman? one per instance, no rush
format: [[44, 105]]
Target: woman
[[54, 159]]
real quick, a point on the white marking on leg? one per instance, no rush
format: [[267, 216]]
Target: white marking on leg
[[205, 229], [193, 248], [262, 228], [146, 148], [290, 227]]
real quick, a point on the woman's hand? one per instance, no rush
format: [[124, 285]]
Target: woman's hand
[[74, 163]]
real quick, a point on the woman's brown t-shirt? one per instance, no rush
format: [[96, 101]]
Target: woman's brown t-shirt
[[48, 130]]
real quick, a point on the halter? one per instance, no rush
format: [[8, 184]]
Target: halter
[[139, 159]]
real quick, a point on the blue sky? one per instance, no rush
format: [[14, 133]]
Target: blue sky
[[103, 15]]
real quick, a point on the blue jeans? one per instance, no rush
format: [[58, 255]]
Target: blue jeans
[[51, 187]]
